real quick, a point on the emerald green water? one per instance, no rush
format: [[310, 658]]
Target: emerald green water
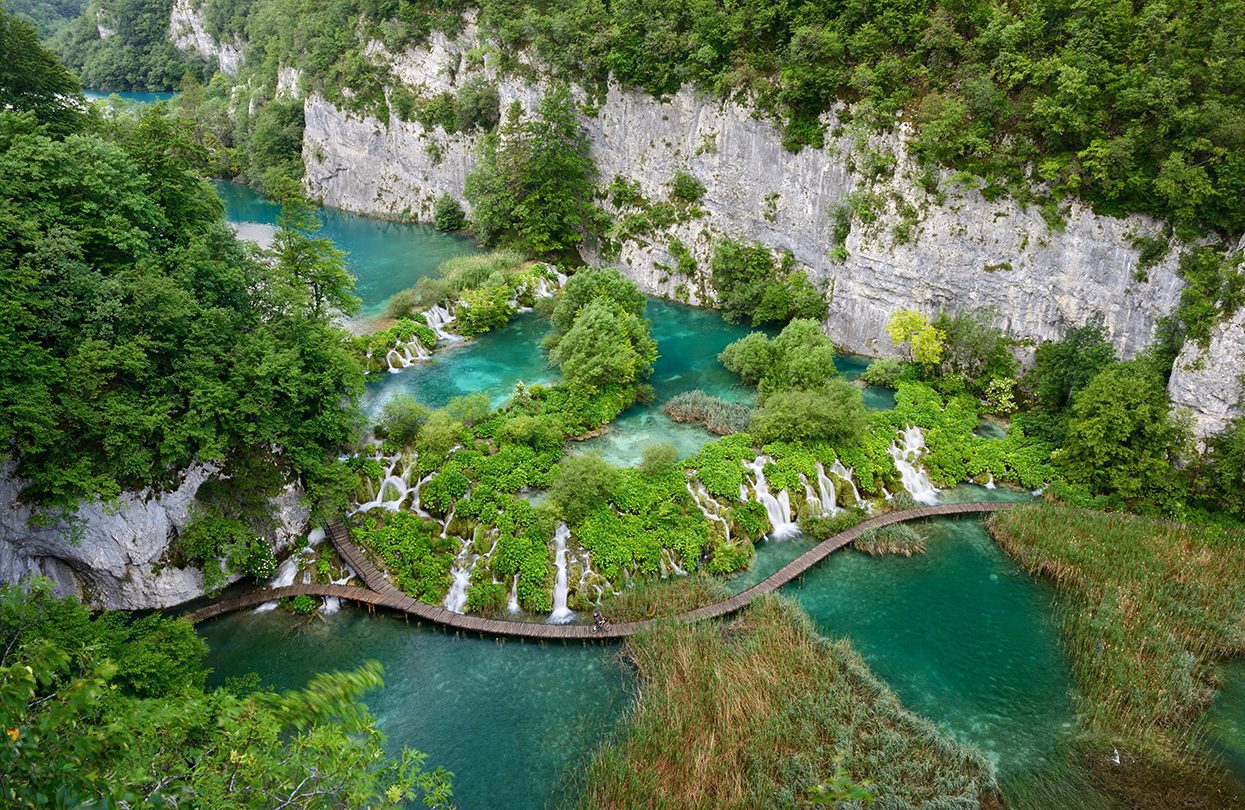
[[510, 720], [962, 636], [385, 257], [131, 96], [1225, 722]]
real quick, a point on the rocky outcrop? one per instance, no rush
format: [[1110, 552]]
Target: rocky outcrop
[[1208, 381], [112, 555], [187, 32], [950, 248]]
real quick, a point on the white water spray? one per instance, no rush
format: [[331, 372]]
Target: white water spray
[[907, 461], [561, 588], [778, 508]]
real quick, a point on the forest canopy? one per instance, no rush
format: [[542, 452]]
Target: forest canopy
[[142, 335]]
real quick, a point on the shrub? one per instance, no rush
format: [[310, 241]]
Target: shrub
[[447, 214], [401, 418], [580, 485], [753, 284], [658, 459], [686, 189], [884, 371], [403, 303], [801, 358]]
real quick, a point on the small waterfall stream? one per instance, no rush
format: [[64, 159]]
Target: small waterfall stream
[[561, 587], [438, 317], [829, 502], [778, 508], [907, 461], [711, 509], [456, 599]]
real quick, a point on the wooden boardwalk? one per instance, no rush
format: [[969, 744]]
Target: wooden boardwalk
[[380, 592]]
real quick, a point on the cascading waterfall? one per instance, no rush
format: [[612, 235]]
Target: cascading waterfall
[[456, 599], [415, 504], [284, 577], [778, 508], [989, 480], [711, 509], [513, 604], [438, 317], [907, 461], [445, 527], [829, 503], [561, 587], [395, 484], [405, 355], [331, 603]]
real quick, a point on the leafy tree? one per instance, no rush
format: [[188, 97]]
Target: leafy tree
[[751, 283], [606, 346], [535, 179], [401, 419], [1121, 438], [144, 335], [833, 413], [1222, 471], [79, 736], [921, 341], [801, 357], [884, 371], [313, 265], [658, 459], [581, 484], [33, 80], [975, 350], [592, 283], [447, 214]]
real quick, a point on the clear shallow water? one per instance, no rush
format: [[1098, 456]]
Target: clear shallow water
[[385, 257], [492, 363], [510, 720], [130, 96], [962, 636], [1225, 722]]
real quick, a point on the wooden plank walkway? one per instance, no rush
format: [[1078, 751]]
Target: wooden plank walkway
[[380, 592]]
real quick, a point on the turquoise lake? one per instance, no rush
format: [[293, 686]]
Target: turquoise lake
[[959, 633]]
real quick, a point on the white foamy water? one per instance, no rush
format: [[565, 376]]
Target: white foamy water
[[777, 507], [561, 587], [908, 460]]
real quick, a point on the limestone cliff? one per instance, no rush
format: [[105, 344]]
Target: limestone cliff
[[114, 555], [951, 248], [188, 33]]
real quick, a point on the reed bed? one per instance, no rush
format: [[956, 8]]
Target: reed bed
[[753, 714], [899, 540], [1150, 606], [715, 415], [659, 599]]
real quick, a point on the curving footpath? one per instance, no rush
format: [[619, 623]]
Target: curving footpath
[[380, 592]]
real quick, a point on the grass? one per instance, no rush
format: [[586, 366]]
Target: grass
[[1150, 607], [655, 599], [754, 713], [899, 539]]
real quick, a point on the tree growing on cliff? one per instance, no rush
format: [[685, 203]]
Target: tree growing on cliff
[[916, 336], [535, 180]]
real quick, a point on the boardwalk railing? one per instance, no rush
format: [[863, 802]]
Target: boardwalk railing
[[381, 592]]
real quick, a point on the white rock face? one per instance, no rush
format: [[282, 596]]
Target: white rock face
[[115, 561], [965, 253], [187, 32], [1209, 381]]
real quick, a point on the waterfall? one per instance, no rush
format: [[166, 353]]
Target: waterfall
[[331, 603], [284, 577], [907, 461], [456, 599], [989, 480], [829, 503], [419, 509], [445, 527], [513, 604], [399, 485], [670, 565], [710, 508], [777, 508], [405, 355], [438, 317], [810, 495], [561, 613]]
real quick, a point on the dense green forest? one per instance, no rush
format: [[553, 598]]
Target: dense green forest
[[111, 710], [139, 331], [47, 16], [1130, 106]]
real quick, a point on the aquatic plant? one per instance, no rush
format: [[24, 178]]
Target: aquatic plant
[[900, 539], [756, 711], [716, 415], [654, 599], [1150, 607]]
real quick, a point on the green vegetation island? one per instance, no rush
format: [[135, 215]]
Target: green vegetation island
[[619, 405]]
